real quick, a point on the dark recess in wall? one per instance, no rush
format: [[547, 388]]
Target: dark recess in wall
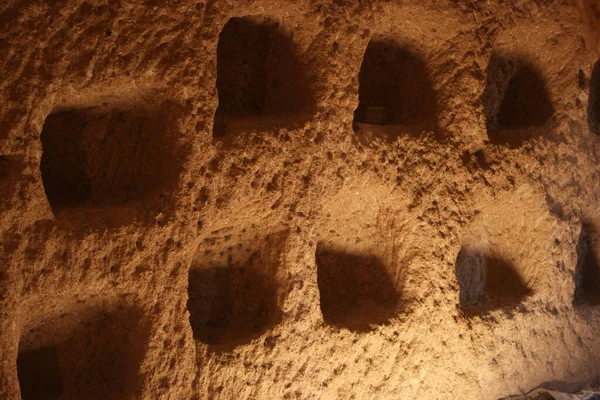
[[107, 156], [594, 100], [487, 282], [259, 73], [395, 88], [356, 290], [82, 354], [587, 271], [39, 374], [516, 99]]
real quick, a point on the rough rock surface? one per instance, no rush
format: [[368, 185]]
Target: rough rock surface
[[264, 199]]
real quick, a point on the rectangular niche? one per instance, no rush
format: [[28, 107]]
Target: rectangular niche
[[110, 156], [260, 78], [233, 291], [395, 92], [516, 100], [356, 288], [488, 281], [504, 253], [81, 351], [363, 260]]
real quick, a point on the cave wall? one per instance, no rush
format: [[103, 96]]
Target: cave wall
[[301, 199]]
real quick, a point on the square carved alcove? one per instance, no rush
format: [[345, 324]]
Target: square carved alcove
[[506, 253], [363, 260], [516, 100], [233, 292], [396, 94], [356, 289], [261, 81], [488, 281], [109, 162], [82, 352]]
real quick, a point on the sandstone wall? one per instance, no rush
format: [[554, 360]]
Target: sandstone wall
[[263, 199]]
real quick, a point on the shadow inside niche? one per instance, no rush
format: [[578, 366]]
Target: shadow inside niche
[[259, 73], [230, 305], [90, 355], [395, 91], [103, 164], [39, 374], [488, 282], [587, 270], [504, 284], [526, 100], [594, 100], [516, 101], [356, 290]]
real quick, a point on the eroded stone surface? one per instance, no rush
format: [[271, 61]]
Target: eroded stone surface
[[288, 187]]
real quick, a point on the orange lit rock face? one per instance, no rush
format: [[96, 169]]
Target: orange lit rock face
[[266, 199]]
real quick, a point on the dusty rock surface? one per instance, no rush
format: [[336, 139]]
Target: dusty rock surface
[[264, 199]]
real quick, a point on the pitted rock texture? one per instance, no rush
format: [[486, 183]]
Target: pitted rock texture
[[312, 199]]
